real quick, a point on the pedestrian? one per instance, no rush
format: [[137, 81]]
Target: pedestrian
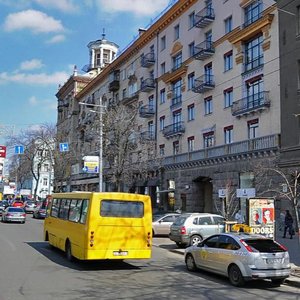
[[281, 220], [288, 224], [239, 217]]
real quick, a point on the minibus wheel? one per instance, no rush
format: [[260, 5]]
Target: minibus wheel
[[69, 251]]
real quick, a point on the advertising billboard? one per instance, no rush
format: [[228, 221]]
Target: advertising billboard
[[3, 151], [261, 215]]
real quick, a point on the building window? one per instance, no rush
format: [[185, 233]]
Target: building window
[[191, 143], [228, 61], [176, 32], [228, 134], [163, 68], [163, 43], [192, 49], [162, 96], [191, 112], [177, 61], [253, 129], [254, 92], [46, 168], [228, 97], [124, 93], [162, 150], [45, 181], [176, 92], [228, 24], [177, 126], [191, 80], [253, 53], [151, 129], [209, 139], [162, 123], [253, 12], [175, 147], [191, 20], [208, 106]]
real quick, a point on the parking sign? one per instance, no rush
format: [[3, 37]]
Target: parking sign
[[63, 147]]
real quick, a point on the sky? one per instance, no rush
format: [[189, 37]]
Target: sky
[[42, 40]]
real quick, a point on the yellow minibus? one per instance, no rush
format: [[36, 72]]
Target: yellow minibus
[[91, 225]]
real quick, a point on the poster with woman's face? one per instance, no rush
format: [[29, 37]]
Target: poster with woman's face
[[255, 214], [268, 215]]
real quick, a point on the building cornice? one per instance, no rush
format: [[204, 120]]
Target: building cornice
[[251, 30], [170, 16]]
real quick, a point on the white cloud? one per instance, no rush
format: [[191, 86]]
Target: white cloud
[[46, 104], [56, 39], [137, 7], [62, 5], [34, 79], [34, 20], [31, 64], [33, 101]]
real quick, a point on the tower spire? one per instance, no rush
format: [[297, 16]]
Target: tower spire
[[103, 34]]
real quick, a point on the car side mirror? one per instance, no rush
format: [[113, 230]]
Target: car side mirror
[[200, 245]]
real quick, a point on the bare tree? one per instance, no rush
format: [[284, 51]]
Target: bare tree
[[128, 152], [286, 186], [230, 204], [38, 145]]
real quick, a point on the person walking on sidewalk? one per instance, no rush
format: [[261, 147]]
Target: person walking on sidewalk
[[288, 224]]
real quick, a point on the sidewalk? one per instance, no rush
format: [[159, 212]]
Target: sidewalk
[[291, 245]]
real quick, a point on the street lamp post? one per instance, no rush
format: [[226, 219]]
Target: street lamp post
[[100, 161]]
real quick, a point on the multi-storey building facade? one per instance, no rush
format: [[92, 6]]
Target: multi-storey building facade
[[206, 78], [289, 33]]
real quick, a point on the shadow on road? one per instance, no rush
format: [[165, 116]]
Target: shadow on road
[[57, 256]]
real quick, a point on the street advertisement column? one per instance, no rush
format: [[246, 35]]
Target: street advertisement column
[[261, 215]]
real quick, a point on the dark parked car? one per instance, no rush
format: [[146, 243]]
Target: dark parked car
[[3, 205], [40, 211]]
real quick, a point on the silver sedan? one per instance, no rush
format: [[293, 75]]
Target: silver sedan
[[14, 214], [241, 257]]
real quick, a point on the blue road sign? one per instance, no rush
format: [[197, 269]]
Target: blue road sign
[[63, 147], [19, 149]]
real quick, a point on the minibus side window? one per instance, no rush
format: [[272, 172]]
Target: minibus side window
[[75, 209], [54, 208], [84, 211]]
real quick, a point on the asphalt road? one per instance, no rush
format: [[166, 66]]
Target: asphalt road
[[31, 270]]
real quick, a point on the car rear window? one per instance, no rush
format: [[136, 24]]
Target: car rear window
[[264, 245], [15, 209], [180, 221]]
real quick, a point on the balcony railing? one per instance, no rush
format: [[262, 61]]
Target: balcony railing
[[254, 63], [174, 129], [204, 83], [176, 102], [204, 50], [204, 17], [130, 98], [147, 85], [148, 60], [148, 136], [255, 102], [146, 111], [269, 142]]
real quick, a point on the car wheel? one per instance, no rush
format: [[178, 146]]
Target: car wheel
[[277, 282], [190, 263], [195, 240], [235, 276], [69, 251]]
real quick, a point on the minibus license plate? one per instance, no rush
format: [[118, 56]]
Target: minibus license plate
[[120, 253]]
